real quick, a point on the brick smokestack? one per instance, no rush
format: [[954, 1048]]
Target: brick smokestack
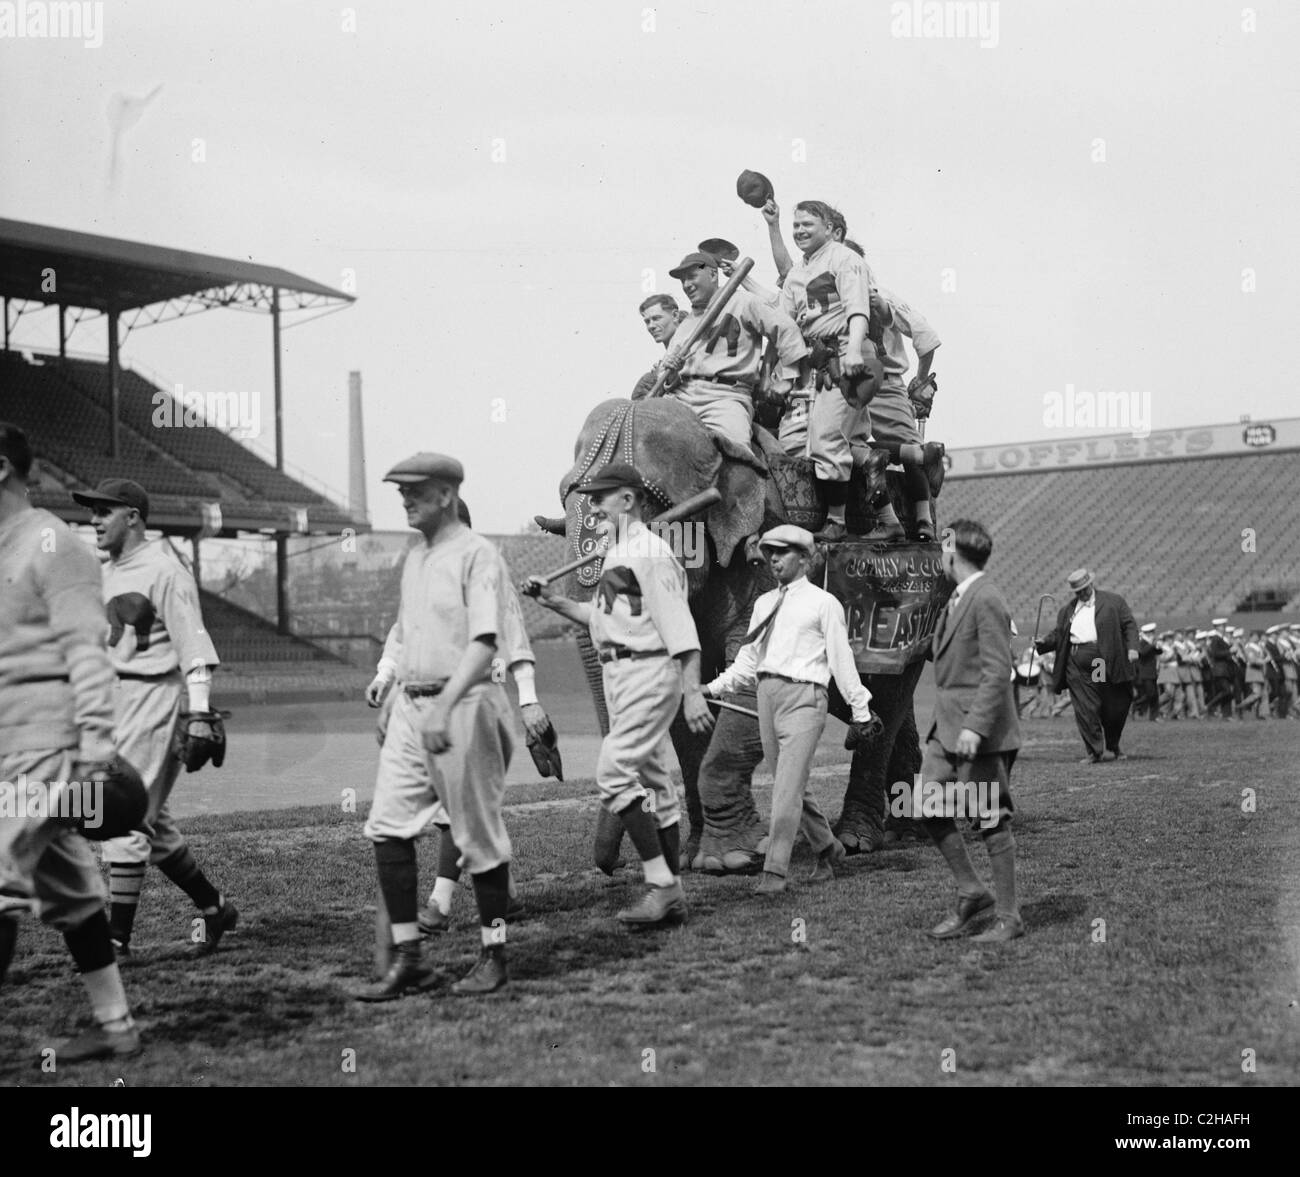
[[356, 449]]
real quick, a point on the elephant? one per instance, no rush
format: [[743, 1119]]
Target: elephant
[[678, 457]]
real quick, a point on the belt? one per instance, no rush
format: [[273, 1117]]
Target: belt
[[799, 682], [423, 690], [614, 653], [44, 678], [728, 381], [132, 676], [1081, 645]]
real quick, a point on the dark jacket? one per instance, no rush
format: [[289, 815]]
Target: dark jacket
[[972, 671], [1117, 634]]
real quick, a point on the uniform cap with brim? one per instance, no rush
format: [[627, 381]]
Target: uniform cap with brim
[[1080, 578], [754, 188], [789, 536], [1219, 621], [423, 466], [115, 492], [1150, 627], [720, 248], [690, 261], [1273, 628], [614, 476]]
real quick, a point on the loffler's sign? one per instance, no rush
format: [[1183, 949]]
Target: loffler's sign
[[892, 599], [1072, 452]]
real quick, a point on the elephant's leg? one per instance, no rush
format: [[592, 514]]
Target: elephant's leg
[[732, 826], [904, 764], [861, 824]]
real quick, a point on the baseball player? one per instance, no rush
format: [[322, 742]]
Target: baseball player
[[719, 376], [828, 294], [642, 627], [660, 314], [56, 724], [518, 657], [448, 739], [796, 642], [163, 657]]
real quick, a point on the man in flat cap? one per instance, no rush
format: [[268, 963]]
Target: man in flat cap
[[448, 741], [164, 660], [1096, 640], [718, 377], [645, 636], [797, 641]]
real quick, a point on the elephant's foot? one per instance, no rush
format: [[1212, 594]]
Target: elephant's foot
[[860, 833], [731, 851], [551, 524]]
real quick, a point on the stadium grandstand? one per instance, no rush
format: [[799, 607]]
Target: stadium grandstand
[[89, 419], [1186, 524]]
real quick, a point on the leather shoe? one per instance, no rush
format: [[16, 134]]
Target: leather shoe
[[964, 918], [1091, 760], [406, 972], [1005, 927], [827, 861], [215, 926], [832, 532], [659, 905], [770, 884], [487, 976], [100, 1043], [885, 533]]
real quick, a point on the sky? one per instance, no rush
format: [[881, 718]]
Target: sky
[[1095, 194]]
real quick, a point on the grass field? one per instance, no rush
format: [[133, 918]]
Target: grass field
[[1200, 959]]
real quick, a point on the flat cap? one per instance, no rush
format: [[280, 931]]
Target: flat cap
[[614, 476], [754, 188], [422, 466], [720, 248], [115, 492], [789, 536], [1080, 578], [690, 261]]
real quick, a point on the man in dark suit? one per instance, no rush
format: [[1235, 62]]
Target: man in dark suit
[[1096, 640], [973, 740]]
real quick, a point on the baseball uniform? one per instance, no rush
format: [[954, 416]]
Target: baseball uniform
[[722, 371], [640, 622], [56, 710], [821, 293], [892, 416]]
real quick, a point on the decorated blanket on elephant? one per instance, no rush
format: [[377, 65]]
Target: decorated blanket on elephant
[[677, 457]]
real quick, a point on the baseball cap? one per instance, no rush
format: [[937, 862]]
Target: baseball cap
[[613, 476], [720, 248], [115, 492], [423, 466], [754, 188], [1150, 627], [690, 261], [789, 536]]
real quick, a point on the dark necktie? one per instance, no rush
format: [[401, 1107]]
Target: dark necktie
[[764, 627]]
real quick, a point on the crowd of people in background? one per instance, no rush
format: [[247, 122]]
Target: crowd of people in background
[[1221, 672]]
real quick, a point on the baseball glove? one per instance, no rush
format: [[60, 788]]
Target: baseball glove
[[201, 737], [861, 734], [114, 799], [922, 396], [545, 751]]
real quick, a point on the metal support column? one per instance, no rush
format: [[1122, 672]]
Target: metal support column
[[279, 399], [63, 332], [282, 625]]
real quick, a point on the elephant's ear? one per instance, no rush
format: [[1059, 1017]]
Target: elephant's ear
[[741, 510]]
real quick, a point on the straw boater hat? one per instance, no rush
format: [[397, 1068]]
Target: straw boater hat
[[1079, 579]]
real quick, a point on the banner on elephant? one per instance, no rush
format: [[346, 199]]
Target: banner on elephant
[[892, 599]]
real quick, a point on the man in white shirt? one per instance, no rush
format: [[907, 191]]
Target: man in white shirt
[[797, 642]]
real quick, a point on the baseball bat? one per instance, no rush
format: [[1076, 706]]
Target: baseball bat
[[732, 707], [711, 313], [706, 498]]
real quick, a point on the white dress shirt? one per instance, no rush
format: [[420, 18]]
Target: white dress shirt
[[960, 590], [807, 642], [1083, 621]]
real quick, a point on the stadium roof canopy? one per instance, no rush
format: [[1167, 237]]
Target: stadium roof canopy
[[45, 265]]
